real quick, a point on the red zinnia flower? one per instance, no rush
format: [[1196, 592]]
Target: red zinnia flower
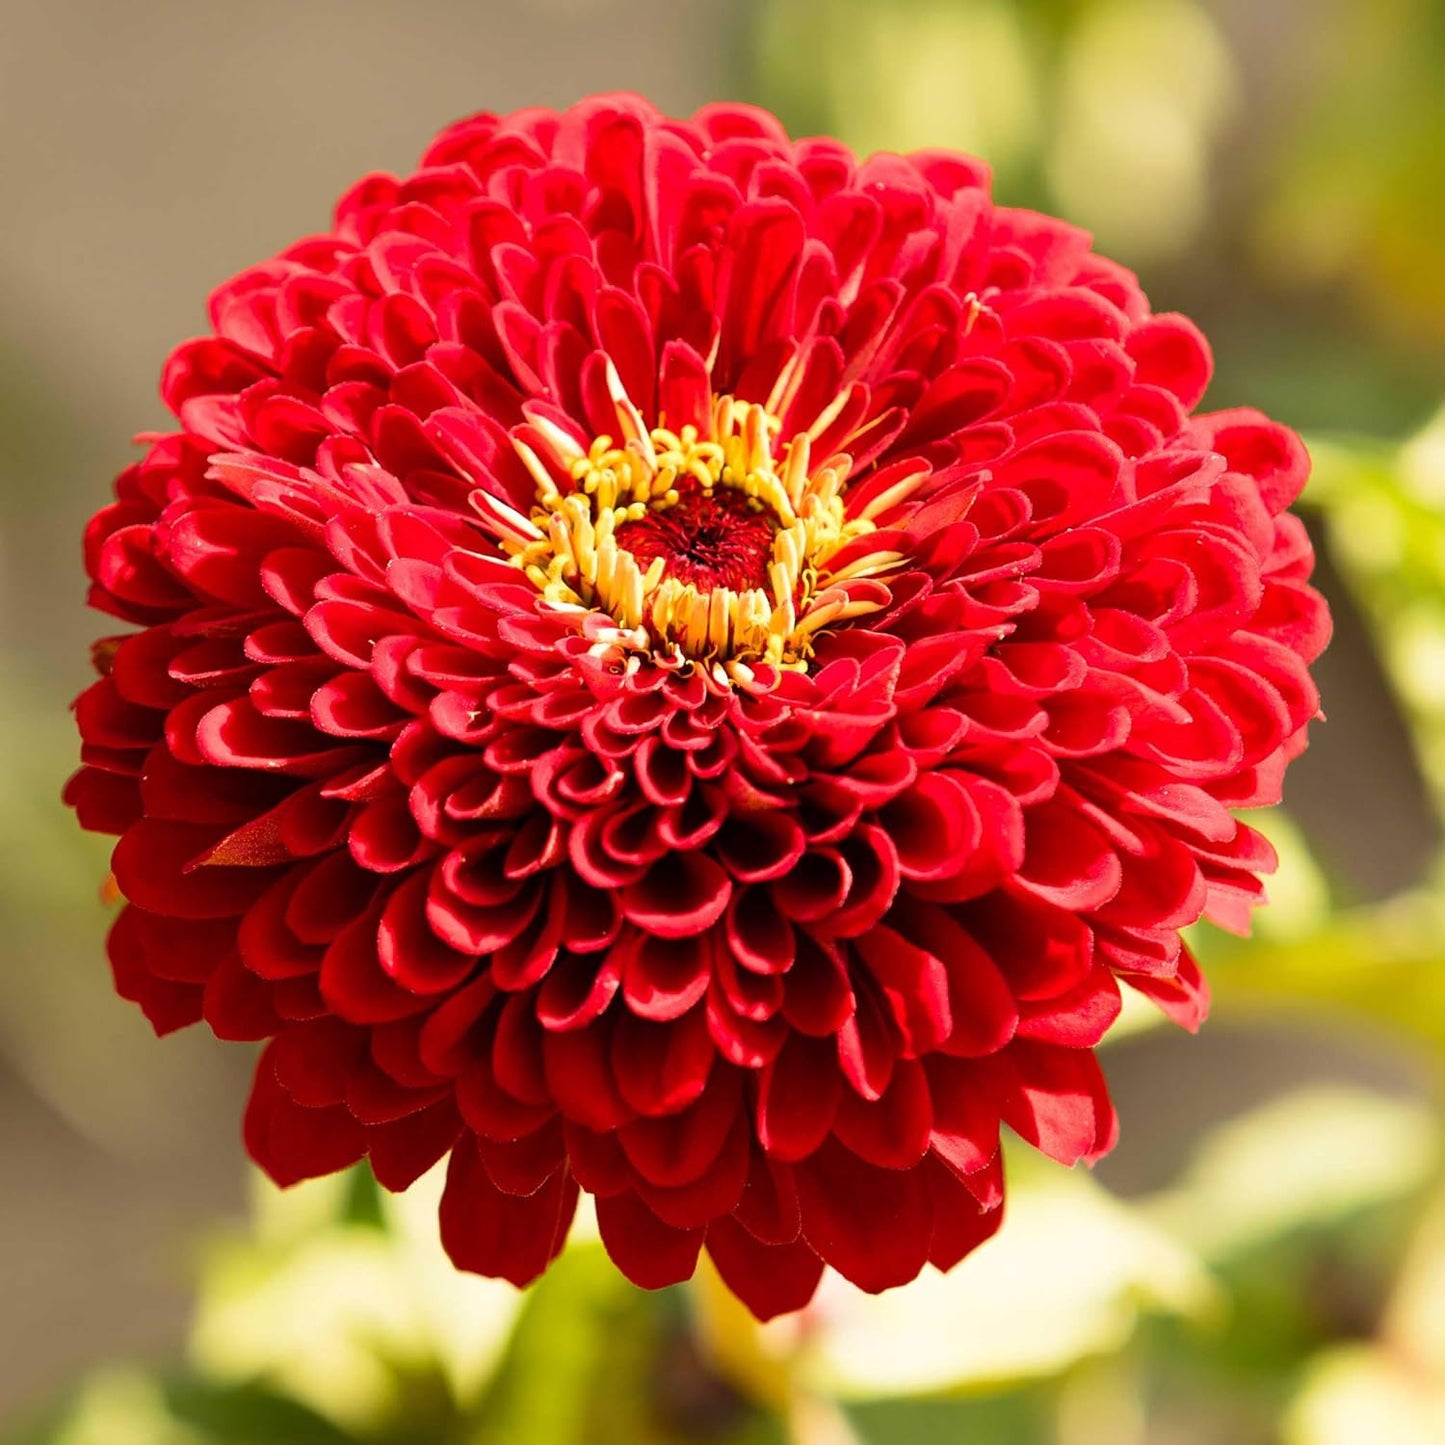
[[678, 663]]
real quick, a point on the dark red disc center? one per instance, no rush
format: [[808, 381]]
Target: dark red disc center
[[709, 540]]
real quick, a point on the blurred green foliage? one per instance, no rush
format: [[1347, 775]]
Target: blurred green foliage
[[1274, 168]]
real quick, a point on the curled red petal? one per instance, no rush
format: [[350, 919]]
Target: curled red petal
[[650, 1253], [874, 1226], [770, 1279], [683, 894], [505, 1236], [292, 1142], [960, 1222], [1057, 1099]]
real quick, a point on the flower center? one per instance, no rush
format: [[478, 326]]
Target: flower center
[[706, 539], [701, 547]]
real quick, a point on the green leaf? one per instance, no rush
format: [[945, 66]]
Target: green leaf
[[248, 1414], [1022, 1417], [595, 1359]]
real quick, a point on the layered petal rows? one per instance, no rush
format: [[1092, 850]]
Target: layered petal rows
[[677, 663]]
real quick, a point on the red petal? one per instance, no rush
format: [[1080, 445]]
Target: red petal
[[981, 1004], [874, 1226], [914, 982], [661, 1068], [679, 1148], [965, 1114], [959, 1224], [490, 1111], [522, 1166], [167, 1005], [290, 1142], [506, 1236], [1057, 1100], [650, 1253], [770, 1279], [663, 978], [1260, 448], [714, 1194], [581, 1078], [682, 894], [768, 1209], [892, 1132], [868, 1045], [929, 827], [1067, 861], [402, 1151], [238, 1005], [597, 1160], [353, 983], [760, 937], [1183, 998], [1169, 351], [151, 869], [1078, 1018], [798, 1097]]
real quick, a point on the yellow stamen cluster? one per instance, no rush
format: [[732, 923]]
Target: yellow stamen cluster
[[569, 546]]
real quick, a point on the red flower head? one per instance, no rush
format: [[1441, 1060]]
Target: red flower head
[[678, 663]]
